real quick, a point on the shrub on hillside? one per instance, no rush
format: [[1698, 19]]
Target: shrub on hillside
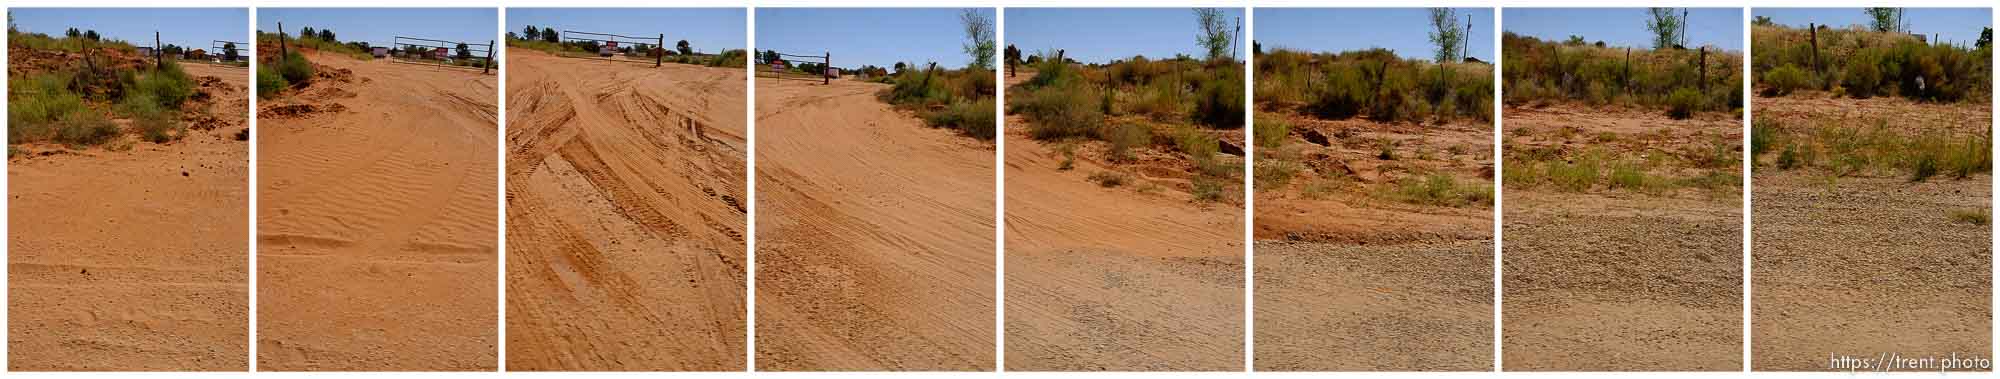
[[1219, 103], [269, 83], [1683, 103], [1784, 80], [295, 69]]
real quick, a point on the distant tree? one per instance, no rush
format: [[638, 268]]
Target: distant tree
[[1761, 21], [1575, 40], [327, 35], [1884, 19], [979, 38], [531, 33], [308, 32], [1666, 27], [172, 49], [684, 48], [1445, 34], [1012, 54], [772, 56], [550, 35], [229, 51], [1256, 48], [1215, 32], [73, 33], [1985, 38], [900, 66], [464, 52], [91, 35]]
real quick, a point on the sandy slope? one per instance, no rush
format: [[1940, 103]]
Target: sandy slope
[[1111, 279], [377, 221], [875, 235], [1861, 266], [1613, 280], [1352, 280], [625, 216], [135, 260]]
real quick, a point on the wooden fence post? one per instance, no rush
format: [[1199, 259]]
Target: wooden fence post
[[1703, 67], [483, 68], [281, 42], [826, 64], [660, 50]]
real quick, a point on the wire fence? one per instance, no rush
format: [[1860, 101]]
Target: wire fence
[[777, 65], [609, 46], [442, 53]]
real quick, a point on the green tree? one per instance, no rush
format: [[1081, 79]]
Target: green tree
[[464, 52], [1884, 19], [1985, 38], [229, 51], [979, 38], [307, 32], [684, 48], [73, 33], [327, 35], [772, 56], [550, 35], [1666, 27], [91, 35], [1446, 34], [1215, 32], [531, 33]]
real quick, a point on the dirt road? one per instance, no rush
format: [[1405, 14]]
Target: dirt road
[[875, 235], [625, 216], [1623, 280], [1351, 280], [137, 259], [377, 227], [1111, 279], [1866, 265]]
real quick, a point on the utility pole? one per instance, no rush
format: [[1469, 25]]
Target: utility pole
[[1465, 40], [1236, 40]]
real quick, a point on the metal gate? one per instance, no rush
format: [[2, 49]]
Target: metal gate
[[442, 53], [608, 44], [782, 67]]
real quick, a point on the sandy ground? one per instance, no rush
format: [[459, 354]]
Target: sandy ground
[[875, 247], [1350, 281], [377, 221], [1616, 280], [1863, 266], [135, 260], [1112, 279], [625, 216]]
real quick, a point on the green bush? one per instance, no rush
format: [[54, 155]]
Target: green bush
[[973, 118], [1219, 102], [167, 85], [1271, 132], [1343, 96], [154, 123], [1785, 79], [1683, 103], [1124, 137], [38, 103], [1061, 111], [295, 69], [269, 83], [1863, 77]]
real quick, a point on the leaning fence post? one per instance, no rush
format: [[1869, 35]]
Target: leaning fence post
[[281, 42], [159, 52], [826, 64], [659, 50], [488, 65]]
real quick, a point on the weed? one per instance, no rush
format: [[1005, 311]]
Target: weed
[[1206, 189], [1109, 178], [1784, 80], [1683, 103], [1123, 138], [1970, 216], [1276, 173], [269, 83], [1271, 132]]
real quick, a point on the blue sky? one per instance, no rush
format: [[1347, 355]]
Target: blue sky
[[1956, 25], [194, 27], [868, 36], [379, 26], [1098, 35], [1720, 27], [709, 30], [1403, 30]]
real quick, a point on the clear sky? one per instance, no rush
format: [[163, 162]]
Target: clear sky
[[1955, 25], [193, 27], [1099, 35], [1330, 30], [868, 36], [1719, 27], [380, 26], [709, 30]]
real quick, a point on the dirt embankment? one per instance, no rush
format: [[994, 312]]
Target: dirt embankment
[[1642, 274], [1353, 273], [625, 215], [133, 258], [875, 247], [377, 223], [1118, 278], [1867, 264]]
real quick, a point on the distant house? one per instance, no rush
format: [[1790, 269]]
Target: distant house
[[607, 49], [380, 51], [197, 54], [145, 51]]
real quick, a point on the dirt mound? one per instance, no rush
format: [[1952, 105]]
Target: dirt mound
[[298, 110]]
